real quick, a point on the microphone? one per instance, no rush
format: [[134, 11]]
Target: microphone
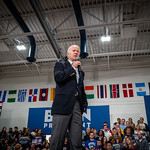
[[79, 67]]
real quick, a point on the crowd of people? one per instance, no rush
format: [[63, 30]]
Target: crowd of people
[[124, 135]]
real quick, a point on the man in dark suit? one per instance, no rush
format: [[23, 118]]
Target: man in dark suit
[[70, 101]]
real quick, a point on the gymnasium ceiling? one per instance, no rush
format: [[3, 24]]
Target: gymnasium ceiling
[[126, 21]]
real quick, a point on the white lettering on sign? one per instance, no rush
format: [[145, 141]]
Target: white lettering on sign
[[87, 115], [47, 125], [48, 116]]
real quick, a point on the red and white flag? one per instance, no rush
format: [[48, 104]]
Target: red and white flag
[[1, 104], [127, 90]]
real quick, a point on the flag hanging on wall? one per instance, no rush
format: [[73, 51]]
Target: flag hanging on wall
[[52, 94], [89, 90], [43, 94], [101, 91], [3, 96], [140, 89], [22, 95], [1, 104], [114, 91], [127, 90], [12, 96], [32, 95]]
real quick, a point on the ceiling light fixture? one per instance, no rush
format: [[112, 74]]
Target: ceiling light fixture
[[105, 38], [21, 47]]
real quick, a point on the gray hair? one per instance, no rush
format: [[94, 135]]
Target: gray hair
[[72, 46]]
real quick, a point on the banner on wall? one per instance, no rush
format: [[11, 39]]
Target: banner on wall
[[94, 117]]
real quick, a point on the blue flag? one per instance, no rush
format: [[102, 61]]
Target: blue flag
[[3, 96], [22, 95], [140, 89]]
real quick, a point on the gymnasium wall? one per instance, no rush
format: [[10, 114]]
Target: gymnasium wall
[[16, 113]]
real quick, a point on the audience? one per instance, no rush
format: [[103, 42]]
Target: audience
[[142, 143], [122, 125], [128, 145], [121, 137], [92, 143]]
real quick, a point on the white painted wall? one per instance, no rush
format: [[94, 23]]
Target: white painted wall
[[16, 114]]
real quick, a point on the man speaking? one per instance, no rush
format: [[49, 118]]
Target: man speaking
[[69, 102]]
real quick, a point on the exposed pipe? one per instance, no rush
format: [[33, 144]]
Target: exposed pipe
[[79, 18], [47, 29], [10, 5]]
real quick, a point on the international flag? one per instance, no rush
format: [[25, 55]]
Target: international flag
[[101, 91], [12, 96], [22, 95], [140, 89], [3, 96], [114, 91], [43, 94], [52, 94], [89, 90], [127, 90], [32, 95], [1, 104]]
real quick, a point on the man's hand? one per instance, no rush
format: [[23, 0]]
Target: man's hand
[[76, 64]]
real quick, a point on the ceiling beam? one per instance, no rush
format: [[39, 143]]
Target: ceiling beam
[[136, 21], [90, 56]]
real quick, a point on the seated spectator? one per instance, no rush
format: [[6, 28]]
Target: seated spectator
[[119, 121], [142, 143], [95, 134], [106, 124], [131, 123], [83, 135], [14, 143], [66, 145], [3, 135], [33, 146], [128, 145], [18, 147], [120, 133], [128, 125], [16, 133], [101, 135], [115, 136], [39, 140], [144, 126], [92, 129], [122, 125], [49, 139], [107, 132], [87, 137], [129, 134], [99, 145], [8, 147], [137, 129], [118, 127], [5, 144], [113, 141], [25, 139], [11, 136], [92, 143], [109, 146], [104, 142]]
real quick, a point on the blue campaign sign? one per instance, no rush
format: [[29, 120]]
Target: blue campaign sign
[[94, 117]]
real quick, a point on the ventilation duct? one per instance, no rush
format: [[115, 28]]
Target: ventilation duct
[[24, 27], [79, 18]]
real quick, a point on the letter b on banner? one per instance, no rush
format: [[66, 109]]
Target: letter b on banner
[[48, 117]]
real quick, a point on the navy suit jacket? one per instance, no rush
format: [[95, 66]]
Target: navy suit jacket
[[67, 88]]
